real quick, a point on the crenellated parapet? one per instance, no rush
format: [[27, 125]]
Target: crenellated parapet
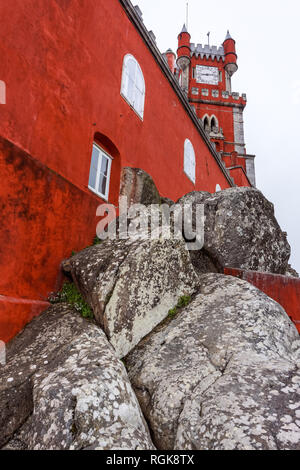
[[208, 52]]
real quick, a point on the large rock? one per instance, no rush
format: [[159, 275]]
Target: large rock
[[241, 230], [224, 374], [132, 284], [63, 388], [138, 187]]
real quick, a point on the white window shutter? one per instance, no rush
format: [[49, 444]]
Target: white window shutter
[[189, 161], [133, 84]]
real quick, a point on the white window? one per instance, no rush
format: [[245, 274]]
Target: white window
[[189, 161], [100, 172], [218, 188], [133, 84]]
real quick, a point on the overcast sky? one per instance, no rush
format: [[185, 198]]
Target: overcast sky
[[267, 34]]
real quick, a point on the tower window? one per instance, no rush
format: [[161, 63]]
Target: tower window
[[133, 84], [213, 125], [100, 172], [206, 124], [189, 161]]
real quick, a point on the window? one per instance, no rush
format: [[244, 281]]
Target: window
[[213, 125], [206, 124], [189, 161], [133, 84], [100, 172], [218, 188]]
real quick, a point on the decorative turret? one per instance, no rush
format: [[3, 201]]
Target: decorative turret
[[184, 57], [184, 49], [170, 58], [230, 55]]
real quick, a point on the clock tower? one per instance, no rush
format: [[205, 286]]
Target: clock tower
[[204, 73]]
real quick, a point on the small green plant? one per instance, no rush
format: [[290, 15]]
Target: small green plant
[[71, 295], [182, 302], [97, 240], [172, 312]]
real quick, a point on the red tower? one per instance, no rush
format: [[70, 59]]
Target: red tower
[[204, 73]]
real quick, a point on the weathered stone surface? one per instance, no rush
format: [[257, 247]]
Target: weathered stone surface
[[224, 374], [138, 187], [168, 201], [63, 388], [241, 230], [132, 284], [291, 272]]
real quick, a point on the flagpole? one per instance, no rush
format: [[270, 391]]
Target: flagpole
[[187, 15]]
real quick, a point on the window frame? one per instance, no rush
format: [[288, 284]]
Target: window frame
[[192, 178], [102, 153], [138, 68]]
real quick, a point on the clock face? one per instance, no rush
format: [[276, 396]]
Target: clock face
[[207, 75]]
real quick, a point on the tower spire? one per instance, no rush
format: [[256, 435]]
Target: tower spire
[[228, 36], [184, 30]]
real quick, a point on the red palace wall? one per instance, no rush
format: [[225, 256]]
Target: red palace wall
[[283, 289], [239, 176], [62, 65]]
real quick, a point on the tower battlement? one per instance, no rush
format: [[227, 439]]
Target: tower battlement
[[208, 52], [204, 74]]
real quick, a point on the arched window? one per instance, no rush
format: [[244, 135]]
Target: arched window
[[100, 172], [206, 124], [133, 84], [189, 161], [214, 124], [218, 188]]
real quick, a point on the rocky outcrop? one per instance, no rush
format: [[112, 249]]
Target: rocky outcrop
[[220, 373], [132, 285], [223, 374], [138, 187], [241, 230], [63, 388]]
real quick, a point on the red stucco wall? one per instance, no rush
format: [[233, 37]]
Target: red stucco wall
[[284, 289], [62, 65], [65, 85], [239, 176]]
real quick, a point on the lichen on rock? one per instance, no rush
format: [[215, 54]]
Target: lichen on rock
[[132, 284], [68, 390], [224, 374], [241, 230]]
